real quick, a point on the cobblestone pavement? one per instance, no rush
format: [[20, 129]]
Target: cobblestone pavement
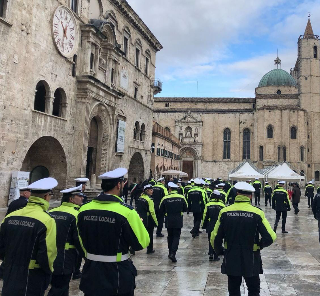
[[291, 265]]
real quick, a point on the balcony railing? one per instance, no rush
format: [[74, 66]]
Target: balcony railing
[[157, 86]]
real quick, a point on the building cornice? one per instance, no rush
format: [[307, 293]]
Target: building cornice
[[204, 100], [204, 111]]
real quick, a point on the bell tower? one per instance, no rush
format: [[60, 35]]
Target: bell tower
[[309, 70]]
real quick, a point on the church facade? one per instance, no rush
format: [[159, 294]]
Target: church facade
[[77, 80], [281, 123]]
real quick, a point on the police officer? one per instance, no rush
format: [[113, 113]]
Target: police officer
[[83, 183], [172, 206], [267, 193], [239, 225], [145, 209], [257, 186], [68, 244], [210, 217], [309, 192], [28, 244], [281, 204], [197, 198], [159, 192], [222, 192], [231, 195], [208, 190], [107, 228], [187, 188], [21, 202], [181, 188]]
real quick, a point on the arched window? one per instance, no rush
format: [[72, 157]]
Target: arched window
[[293, 132], [316, 176], [226, 143], [143, 132], [270, 131], [315, 52], [166, 129], [284, 150], [58, 103], [301, 153], [246, 144], [40, 97], [136, 131], [188, 132]]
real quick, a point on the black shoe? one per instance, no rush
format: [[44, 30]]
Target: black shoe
[[76, 275], [172, 258], [216, 259], [160, 235], [266, 205], [150, 251], [274, 229], [211, 258], [283, 231], [194, 235]]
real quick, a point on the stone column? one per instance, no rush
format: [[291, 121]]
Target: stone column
[[49, 104]]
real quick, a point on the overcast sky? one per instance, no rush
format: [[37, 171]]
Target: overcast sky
[[223, 46]]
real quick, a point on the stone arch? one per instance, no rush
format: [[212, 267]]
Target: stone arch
[[48, 153], [103, 122], [42, 96], [136, 168], [189, 159], [142, 132]]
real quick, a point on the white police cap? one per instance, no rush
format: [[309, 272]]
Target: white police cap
[[282, 182], [45, 184], [221, 184], [192, 180], [216, 192], [310, 182], [81, 180], [179, 181], [244, 186], [160, 179], [147, 186], [72, 190], [198, 181], [172, 185], [189, 182], [115, 174]]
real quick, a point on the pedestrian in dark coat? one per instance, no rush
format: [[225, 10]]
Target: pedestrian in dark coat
[[21, 202], [316, 209], [296, 194]]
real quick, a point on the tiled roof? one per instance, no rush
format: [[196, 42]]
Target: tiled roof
[[308, 32]]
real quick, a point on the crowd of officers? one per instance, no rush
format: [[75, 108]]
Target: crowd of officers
[[39, 248]]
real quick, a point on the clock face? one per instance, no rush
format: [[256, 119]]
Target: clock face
[[64, 31]]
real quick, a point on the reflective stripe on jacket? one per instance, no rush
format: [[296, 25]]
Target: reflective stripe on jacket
[[240, 227], [28, 247]]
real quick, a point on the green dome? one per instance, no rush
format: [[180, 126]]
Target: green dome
[[277, 77]]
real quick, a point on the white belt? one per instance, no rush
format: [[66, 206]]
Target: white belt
[[102, 258]]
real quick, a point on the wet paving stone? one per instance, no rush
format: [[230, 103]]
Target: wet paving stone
[[291, 265]]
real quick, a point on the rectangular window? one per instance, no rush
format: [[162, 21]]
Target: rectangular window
[[315, 52], [284, 154], [279, 154], [125, 46], [147, 66], [316, 176], [91, 61], [137, 57], [74, 66], [301, 153], [74, 5], [135, 92], [158, 151], [112, 75], [261, 153], [3, 8]]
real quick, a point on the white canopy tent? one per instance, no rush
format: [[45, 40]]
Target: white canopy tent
[[245, 172], [174, 173], [285, 173]]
